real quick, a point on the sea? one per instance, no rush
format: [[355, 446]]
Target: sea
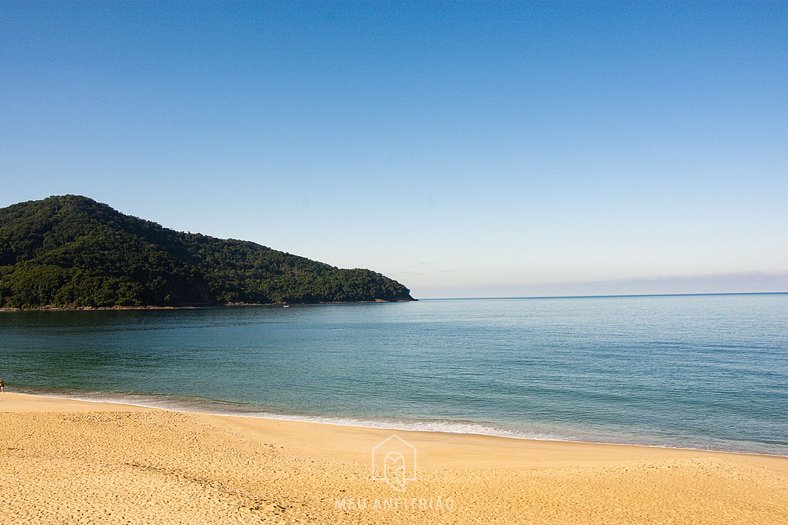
[[696, 371]]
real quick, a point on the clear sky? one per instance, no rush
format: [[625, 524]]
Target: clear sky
[[465, 149]]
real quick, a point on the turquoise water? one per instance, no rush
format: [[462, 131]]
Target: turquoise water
[[693, 371]]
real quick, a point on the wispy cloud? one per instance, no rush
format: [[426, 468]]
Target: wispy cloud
[[743, 282]]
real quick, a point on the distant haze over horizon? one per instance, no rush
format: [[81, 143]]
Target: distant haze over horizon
[[465, 149], [776, 283]]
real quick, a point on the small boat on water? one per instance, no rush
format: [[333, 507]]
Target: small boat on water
[[285, 306]]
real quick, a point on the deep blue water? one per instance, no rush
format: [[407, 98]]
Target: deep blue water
[[693, 371]]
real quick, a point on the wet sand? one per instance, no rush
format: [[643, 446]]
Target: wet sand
[[64, 461]]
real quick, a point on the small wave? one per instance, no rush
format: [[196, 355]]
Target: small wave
[[227, 408], [446, 427]]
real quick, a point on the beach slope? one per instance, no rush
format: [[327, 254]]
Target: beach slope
[[64, 461]]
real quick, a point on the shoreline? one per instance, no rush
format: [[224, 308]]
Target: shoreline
[[353, 423], [79, 461], [49, 308]]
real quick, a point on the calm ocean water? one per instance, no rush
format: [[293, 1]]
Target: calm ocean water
[[693, 371]]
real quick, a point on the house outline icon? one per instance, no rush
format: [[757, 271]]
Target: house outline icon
[[397, 450]]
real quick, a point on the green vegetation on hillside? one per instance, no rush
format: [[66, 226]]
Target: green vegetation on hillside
[[73, 251]]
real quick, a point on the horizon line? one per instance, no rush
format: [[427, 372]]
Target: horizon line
[[604, 296]]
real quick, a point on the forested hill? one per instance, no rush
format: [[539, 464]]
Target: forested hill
[[71, 251]]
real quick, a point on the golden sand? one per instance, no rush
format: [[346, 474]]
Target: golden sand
[[64, 461]]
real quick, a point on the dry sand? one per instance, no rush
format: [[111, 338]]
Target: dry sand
[[64, 461]]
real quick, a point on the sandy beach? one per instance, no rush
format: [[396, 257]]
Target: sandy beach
[[67, 461]]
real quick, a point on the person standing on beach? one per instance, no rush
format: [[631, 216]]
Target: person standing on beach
[[2, 385]]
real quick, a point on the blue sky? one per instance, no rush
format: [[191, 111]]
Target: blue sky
[[466, 149]]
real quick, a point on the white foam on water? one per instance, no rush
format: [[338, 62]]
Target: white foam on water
[[224, 408], [221, 408]]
